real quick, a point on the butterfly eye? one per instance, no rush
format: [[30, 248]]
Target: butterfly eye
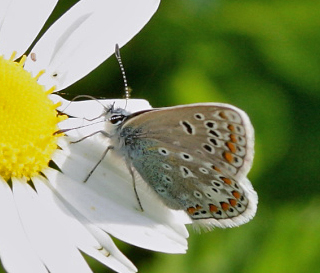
[[117, 119]]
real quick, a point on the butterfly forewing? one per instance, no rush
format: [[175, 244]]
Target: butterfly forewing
[[196, 158]]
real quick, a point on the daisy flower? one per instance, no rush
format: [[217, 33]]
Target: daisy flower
[[48, 215]]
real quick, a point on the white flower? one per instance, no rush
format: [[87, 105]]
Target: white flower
[[48, 215]]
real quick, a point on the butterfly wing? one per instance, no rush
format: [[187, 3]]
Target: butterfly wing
[[196, 157]]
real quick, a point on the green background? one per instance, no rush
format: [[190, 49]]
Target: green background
[[262, 56]]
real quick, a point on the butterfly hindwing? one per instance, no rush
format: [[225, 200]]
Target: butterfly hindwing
[[196, 158]]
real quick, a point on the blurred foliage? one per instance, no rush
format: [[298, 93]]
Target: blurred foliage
[[262, 56]]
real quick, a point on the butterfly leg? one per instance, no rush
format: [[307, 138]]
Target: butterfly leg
[[102, 157], [134, 185]]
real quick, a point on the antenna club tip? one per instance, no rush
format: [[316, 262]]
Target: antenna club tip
[[117, 51]]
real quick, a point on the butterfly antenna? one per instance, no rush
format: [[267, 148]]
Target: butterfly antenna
[[81, 96], [95, 118], [127, 89]]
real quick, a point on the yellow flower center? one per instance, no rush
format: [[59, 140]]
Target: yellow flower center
[[28, 121]]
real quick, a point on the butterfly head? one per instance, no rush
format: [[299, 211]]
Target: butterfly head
[[114, 118]]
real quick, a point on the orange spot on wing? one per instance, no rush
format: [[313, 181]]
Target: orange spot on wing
[[224, 206], [213, 208], [222, 115], [233, 202], [228, 157], [216, 169], [236, 194], [231, 127], [191, 210], [231, 147], [227, 180], [233, 138]]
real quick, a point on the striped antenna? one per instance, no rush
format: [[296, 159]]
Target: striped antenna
[[127, 89]]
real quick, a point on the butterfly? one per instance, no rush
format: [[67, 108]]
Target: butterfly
[[195, 157]]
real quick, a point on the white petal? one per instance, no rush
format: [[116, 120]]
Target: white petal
[[17, 255], [4, 6], [109, 202], [116, 260], [20, 23], [46, 233], [85, 236], [86, 36], [111, 187], [91, 109], [56, 208]]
